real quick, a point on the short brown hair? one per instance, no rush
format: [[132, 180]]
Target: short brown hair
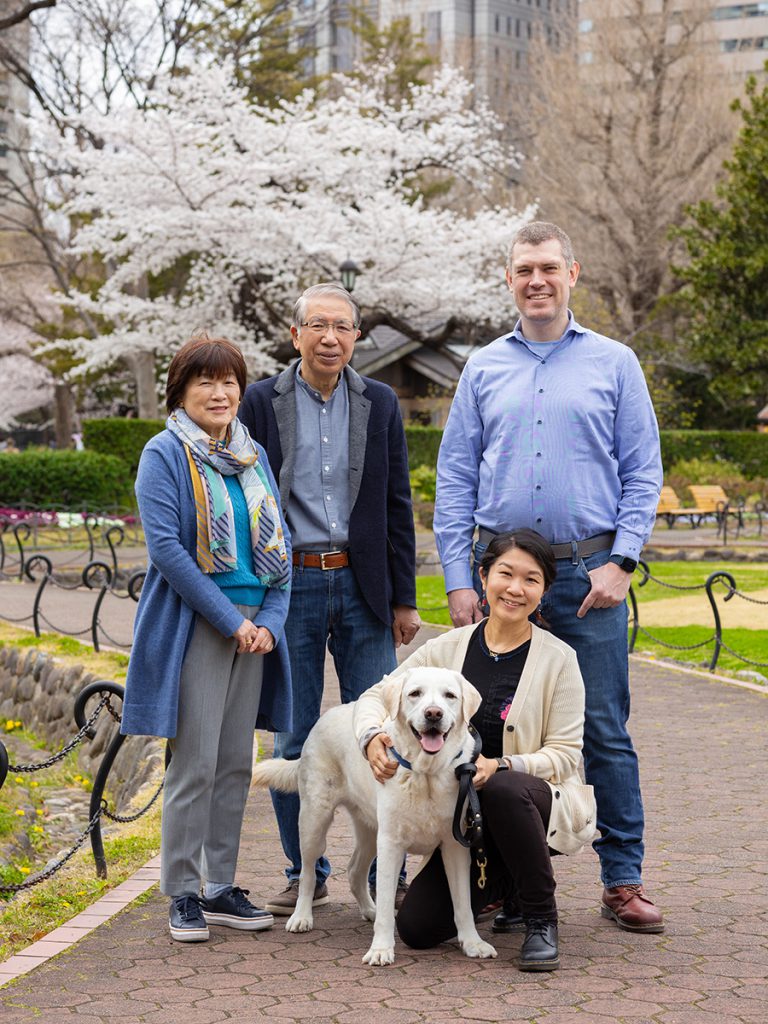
[[539, 231], [203, 355]]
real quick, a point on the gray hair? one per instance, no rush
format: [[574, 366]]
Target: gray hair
[[328, 288], [539, 231]]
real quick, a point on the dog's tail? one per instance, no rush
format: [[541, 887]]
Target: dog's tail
[[277, 773]]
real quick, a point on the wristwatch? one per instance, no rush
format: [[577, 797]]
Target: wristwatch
[[503, 766], [627, 564]]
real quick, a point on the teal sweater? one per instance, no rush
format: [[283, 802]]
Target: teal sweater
[[241, 584]]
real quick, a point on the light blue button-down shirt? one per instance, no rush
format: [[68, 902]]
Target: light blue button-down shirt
[[561, 439], [318, 506]]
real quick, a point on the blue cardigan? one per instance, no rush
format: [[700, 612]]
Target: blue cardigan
[[175, 589]]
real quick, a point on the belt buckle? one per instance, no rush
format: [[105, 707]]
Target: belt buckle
[[324, 555]]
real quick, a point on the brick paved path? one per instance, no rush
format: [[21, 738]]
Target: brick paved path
[[702, 746]]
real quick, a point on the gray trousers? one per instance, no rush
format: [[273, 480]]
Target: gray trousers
[[207, 781]]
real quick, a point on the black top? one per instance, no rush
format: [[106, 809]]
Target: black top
[[496, 677]]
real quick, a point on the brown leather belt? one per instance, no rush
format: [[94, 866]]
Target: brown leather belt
[[321, 559], [600, 542]]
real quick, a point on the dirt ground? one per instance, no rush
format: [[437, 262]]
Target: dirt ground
[[695, 610]]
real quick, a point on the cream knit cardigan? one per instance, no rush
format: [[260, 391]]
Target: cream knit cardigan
[[544, 725]]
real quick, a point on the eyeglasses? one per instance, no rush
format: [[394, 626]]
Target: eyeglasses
[[341, 328]]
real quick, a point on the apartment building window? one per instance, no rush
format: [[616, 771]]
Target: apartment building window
[[497, 23], [517, 28], [509, 26], [740, 11], [434, 27]]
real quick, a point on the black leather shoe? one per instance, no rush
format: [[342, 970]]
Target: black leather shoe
[[509, 919], [539, 952]]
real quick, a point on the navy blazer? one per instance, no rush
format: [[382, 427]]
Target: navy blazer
[[382, 540]]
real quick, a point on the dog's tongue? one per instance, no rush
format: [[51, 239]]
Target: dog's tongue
[[432, 741]]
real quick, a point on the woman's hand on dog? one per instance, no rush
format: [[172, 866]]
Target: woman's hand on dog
[[382, 765]]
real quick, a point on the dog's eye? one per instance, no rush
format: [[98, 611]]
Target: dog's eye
[[450, 696], [414, 693]]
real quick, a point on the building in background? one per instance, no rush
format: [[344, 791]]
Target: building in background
[[735, 33], [489, 39]]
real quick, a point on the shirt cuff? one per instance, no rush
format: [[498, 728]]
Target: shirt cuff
[[367, 736], [458, 576], [628, 545]]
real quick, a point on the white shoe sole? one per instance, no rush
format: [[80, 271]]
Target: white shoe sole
[[189, 934], [243, 924]]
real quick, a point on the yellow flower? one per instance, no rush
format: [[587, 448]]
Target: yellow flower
[[25, 871], [18, 778], [33, 784], [39, 812], [19, 811], [38, 828], [17, 725]]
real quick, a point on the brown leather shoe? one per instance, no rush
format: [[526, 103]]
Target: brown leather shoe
[[631, 909]]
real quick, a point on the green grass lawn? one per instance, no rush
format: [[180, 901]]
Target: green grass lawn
[[750, 643]]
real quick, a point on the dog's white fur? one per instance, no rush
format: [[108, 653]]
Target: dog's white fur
[[412, 812]]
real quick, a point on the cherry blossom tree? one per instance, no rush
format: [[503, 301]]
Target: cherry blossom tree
[[210, 212]]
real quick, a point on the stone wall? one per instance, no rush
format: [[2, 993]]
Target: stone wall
[[40, 692]]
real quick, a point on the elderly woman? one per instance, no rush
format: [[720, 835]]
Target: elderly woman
[[531, 723], [208, 663]]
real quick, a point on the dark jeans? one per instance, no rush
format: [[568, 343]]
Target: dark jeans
[[516, 808]]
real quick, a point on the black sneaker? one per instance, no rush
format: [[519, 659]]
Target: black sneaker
[[185, 920], [233, 909], [539, 952]]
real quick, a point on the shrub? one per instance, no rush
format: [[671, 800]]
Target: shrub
[[424, 482], [122, 437], [747, 449], [423, 445], [706, 471], [51, 478]]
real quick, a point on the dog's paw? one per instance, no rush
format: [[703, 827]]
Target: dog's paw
[[478, 948], [379, 956], [296, 923]]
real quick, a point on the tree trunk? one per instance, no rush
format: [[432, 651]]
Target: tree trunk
[[64, 415], [142, 366]]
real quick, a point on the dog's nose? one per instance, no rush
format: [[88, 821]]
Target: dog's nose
[[433, 714]]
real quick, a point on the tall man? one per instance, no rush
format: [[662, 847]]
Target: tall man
[[552, 428], [336, 444]]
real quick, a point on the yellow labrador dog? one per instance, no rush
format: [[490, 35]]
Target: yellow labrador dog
[[412, 812]]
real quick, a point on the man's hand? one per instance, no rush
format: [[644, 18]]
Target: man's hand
[[382, 766], [463, 607], [610, 586], [406, 624]]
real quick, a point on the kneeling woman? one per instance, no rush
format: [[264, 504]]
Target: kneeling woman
[[531, 723], [208, 657]]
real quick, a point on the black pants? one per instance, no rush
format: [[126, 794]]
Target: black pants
[[516, 808]]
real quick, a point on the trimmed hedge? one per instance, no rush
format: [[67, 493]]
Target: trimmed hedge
[[745, 448], [55, 478], [122, 437]]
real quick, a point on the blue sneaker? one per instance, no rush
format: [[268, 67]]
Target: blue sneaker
[[233, 909], [185, 920]]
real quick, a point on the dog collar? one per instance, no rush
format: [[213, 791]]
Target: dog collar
[[400, 759]]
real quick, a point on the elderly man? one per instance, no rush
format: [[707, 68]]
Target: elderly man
[[336, 444], [552, 428]]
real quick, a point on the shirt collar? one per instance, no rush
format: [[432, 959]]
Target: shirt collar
[[310, 390], [573, 328]]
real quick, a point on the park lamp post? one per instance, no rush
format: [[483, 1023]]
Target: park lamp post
[[349, 271]]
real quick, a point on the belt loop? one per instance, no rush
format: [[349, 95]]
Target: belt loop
[[574, 552], [301, 561]]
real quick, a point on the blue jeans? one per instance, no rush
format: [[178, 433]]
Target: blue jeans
[[327, 607], [610, 761]]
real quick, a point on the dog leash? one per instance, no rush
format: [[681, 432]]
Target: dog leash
[[472, 837]]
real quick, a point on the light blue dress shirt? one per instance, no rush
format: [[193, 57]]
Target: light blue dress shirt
[[562, 439], [318, 505]]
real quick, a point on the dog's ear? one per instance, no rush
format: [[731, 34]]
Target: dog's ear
[[471, 699], [391, 692]]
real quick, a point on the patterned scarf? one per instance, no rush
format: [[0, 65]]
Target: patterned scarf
[[209, 462]]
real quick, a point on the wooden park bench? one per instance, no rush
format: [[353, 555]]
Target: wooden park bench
[[671, 508]]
